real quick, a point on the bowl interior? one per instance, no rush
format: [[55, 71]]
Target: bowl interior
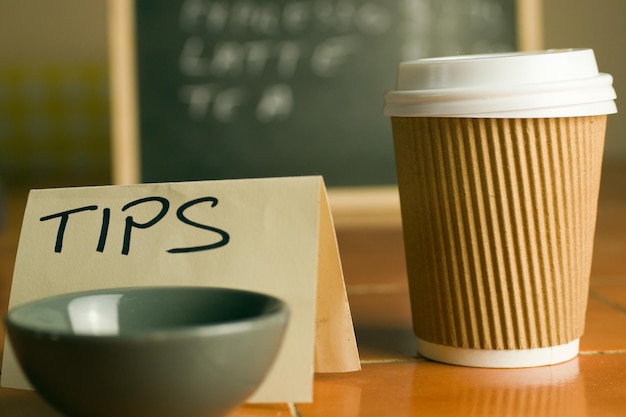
[[140, 311]]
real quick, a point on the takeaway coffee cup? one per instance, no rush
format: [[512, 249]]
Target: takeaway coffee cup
[[498, 159]]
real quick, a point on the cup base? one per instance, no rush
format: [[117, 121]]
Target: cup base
[[524, 358]]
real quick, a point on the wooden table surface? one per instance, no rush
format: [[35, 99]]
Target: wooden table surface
[[395, 381]]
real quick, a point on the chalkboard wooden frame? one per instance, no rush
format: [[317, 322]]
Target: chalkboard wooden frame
[[352, 206]]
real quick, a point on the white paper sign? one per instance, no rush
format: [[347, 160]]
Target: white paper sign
[[269, 235]]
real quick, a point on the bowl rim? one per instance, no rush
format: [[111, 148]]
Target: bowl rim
[[279, 309]]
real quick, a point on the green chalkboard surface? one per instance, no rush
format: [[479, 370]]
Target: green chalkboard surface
[[253, 88]]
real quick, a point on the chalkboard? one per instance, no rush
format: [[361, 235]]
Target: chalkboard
[[254, 88]]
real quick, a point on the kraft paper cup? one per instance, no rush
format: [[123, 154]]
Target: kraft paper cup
[[498, 160]]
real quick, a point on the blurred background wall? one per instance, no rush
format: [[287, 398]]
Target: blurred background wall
[[54, 116], [54, 104]]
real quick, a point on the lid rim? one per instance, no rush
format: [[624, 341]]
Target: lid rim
[[577, 110], [601, 80]]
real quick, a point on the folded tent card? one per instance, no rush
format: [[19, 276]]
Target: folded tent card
[[271, 235]]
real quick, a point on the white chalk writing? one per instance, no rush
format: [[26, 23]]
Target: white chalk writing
[[234, 43]]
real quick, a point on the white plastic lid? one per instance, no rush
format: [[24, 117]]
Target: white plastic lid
[[552, 83]]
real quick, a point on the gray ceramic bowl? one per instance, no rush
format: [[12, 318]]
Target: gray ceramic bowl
[[158, 351]]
